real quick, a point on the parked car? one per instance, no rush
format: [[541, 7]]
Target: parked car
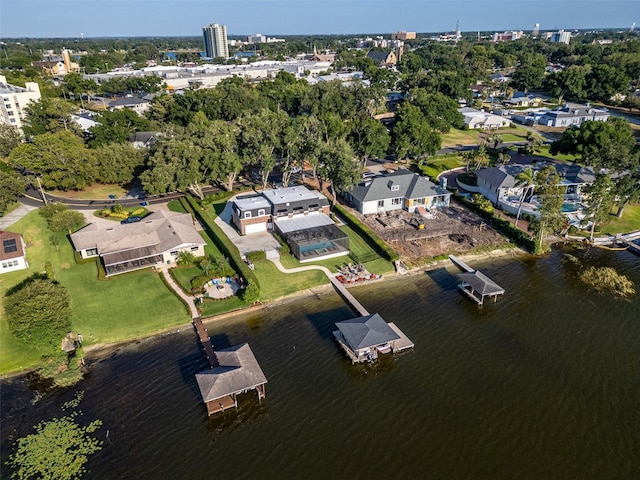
[[131, 220]]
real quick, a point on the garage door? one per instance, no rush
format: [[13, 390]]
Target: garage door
[[256, 227]]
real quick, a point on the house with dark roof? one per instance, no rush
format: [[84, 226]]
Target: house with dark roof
[[156, 240], [138, 105], [499, 184], [383, 58], [12, 252], [143, 139], [299, 215], [400, 190]]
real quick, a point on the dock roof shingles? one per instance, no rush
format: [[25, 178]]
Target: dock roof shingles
[[367, 331], [481, 283], [237, 372]]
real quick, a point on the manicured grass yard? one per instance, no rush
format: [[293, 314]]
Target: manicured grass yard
[[274, 284], [96, 191], [459, 137], [436, 165], [630, 221], [544, 152], [122, 308]]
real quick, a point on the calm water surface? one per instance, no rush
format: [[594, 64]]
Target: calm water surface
[[543, 384]]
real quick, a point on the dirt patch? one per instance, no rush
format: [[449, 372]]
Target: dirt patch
[[454, 229]]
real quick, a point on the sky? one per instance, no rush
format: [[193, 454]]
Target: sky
[[136, 18]]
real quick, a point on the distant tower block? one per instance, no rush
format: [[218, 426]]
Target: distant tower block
[[536, 30], [458, 29], [633, 27]]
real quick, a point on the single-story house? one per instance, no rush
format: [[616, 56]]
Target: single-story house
[[12, 252], [400, 190], [474, 118], [138, 105], [299, 215], [521, 99], [572, 115], [143, 139], [156, 240]]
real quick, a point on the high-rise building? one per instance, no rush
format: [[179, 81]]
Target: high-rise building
[[561, 37], [402, 35], [14, 101], [536, 30], [215, 41]]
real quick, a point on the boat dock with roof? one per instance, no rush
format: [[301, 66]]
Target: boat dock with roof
[[231, 371], [364, 338], [474, 284]]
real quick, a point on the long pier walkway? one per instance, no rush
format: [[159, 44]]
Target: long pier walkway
[[342, 290]]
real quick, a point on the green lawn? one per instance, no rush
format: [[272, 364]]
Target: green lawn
[[436, 165], [96, 191], [544, 152], [630, 221], [176, 206], [459, 137], [122, 308], [274, 284]]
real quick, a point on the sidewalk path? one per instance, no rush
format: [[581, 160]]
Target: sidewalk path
[[278, 264], [178, 290], [15, 215]]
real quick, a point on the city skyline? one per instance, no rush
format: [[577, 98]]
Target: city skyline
[[138, 18]]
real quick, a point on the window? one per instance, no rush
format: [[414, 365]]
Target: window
[[92, 252], [395, 188], [261, 212], [247, 214], [194, 249], [396, 201], [380, 203], [174, 253], [4, 265]]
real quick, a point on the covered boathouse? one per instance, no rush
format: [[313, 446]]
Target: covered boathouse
[[237, 372], [364, 338], [477, 286]]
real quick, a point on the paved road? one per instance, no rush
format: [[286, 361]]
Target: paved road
[[15, 215]]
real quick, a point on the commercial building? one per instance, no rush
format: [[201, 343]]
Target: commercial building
[[560, 37], [14, 101], [215, 41], [402, 35]]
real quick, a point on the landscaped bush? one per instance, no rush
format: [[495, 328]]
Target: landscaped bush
[[284, 250], [199, 282], [223, 243], [256, 256], [117, 208], [367, 234], [48, 268]]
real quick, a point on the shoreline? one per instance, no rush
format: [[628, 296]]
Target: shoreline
[[99, 352]]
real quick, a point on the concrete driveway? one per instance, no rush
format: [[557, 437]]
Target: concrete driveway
[[245, 243]]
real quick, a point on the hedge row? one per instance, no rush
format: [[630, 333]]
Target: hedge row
[[369, 236], [223, 243], [519, 237]]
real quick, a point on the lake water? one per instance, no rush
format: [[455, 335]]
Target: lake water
[[543, 384]]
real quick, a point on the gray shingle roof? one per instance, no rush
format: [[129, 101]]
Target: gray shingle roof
[[238, 371], [481, 283], [367, 331], [163, 229], [409, 185], [127, 101], [501, 177]]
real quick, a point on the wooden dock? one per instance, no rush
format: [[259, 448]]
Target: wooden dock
[[350, 299], [403, 343], [203, 335], [460, 264]]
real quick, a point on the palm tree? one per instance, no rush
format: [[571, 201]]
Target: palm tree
[[525, 179]]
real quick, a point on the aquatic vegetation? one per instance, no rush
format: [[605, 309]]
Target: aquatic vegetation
[[607, 280]]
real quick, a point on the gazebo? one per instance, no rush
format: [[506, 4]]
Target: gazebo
[[476, 286], [237, 372], [362, 338]]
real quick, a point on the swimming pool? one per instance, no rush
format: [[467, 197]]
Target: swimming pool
[[570, 207]]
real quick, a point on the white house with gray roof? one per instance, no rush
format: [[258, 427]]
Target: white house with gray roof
[[157, 239], [573, 114], [401, 190]]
